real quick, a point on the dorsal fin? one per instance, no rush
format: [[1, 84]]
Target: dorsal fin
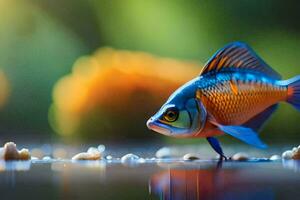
[[238, 55]]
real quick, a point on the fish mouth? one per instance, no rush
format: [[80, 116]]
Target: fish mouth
[[160, 128]]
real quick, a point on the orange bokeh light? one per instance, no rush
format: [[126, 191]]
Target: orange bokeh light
[[116, 82]]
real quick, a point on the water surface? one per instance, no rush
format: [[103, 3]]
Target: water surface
[[163, 179]]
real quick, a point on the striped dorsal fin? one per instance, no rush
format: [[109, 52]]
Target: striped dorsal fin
[[235, 56]]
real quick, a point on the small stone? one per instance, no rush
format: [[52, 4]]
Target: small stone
[[10, 152], [292, 154], [24, 154], [141, 160], [190, 156], [93, 150], [47, 158], [82, 156], [101, 148], [296, 154], [240, 156], [287, 154], [109, 157], [164, 152], [275, 157], [129, 158], [91, 154]]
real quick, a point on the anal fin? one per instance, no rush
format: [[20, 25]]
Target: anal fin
[[244, 134], [258, 120]]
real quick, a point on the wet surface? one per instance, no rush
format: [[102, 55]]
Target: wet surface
[[150, 179]]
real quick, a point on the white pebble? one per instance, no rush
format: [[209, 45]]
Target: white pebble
[[275, 157], [10, 152], [164, 152], [191, 156], [240, 156], [101, 148], [109, 157], [46, 158], [287, 154], [129, 158], [141, 160], [93, 150], [91, 154], [292, 154]]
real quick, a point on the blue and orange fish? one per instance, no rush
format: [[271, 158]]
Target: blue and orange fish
[[235, 93]]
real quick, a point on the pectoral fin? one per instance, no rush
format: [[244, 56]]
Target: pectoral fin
[[216, 146], [244, 134]]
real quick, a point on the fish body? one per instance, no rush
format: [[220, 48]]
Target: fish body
[[235, 94], [233, 98]]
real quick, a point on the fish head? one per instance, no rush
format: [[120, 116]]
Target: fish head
[[181, 116]]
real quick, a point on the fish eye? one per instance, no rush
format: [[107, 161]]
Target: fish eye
[[171, 115]]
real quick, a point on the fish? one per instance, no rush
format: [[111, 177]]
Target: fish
[[235, 94]]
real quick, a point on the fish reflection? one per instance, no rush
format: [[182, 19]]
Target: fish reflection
[[189, 184]]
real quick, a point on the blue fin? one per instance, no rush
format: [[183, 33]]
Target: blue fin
[[293, 85], [258, 120], [214, 143], [238, 56], [244, 134]]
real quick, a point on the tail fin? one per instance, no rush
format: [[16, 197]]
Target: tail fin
[[294, 91]]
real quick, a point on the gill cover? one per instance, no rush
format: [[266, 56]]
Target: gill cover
[[197, 115]]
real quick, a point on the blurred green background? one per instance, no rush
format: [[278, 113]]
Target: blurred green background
[[40, 40]]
